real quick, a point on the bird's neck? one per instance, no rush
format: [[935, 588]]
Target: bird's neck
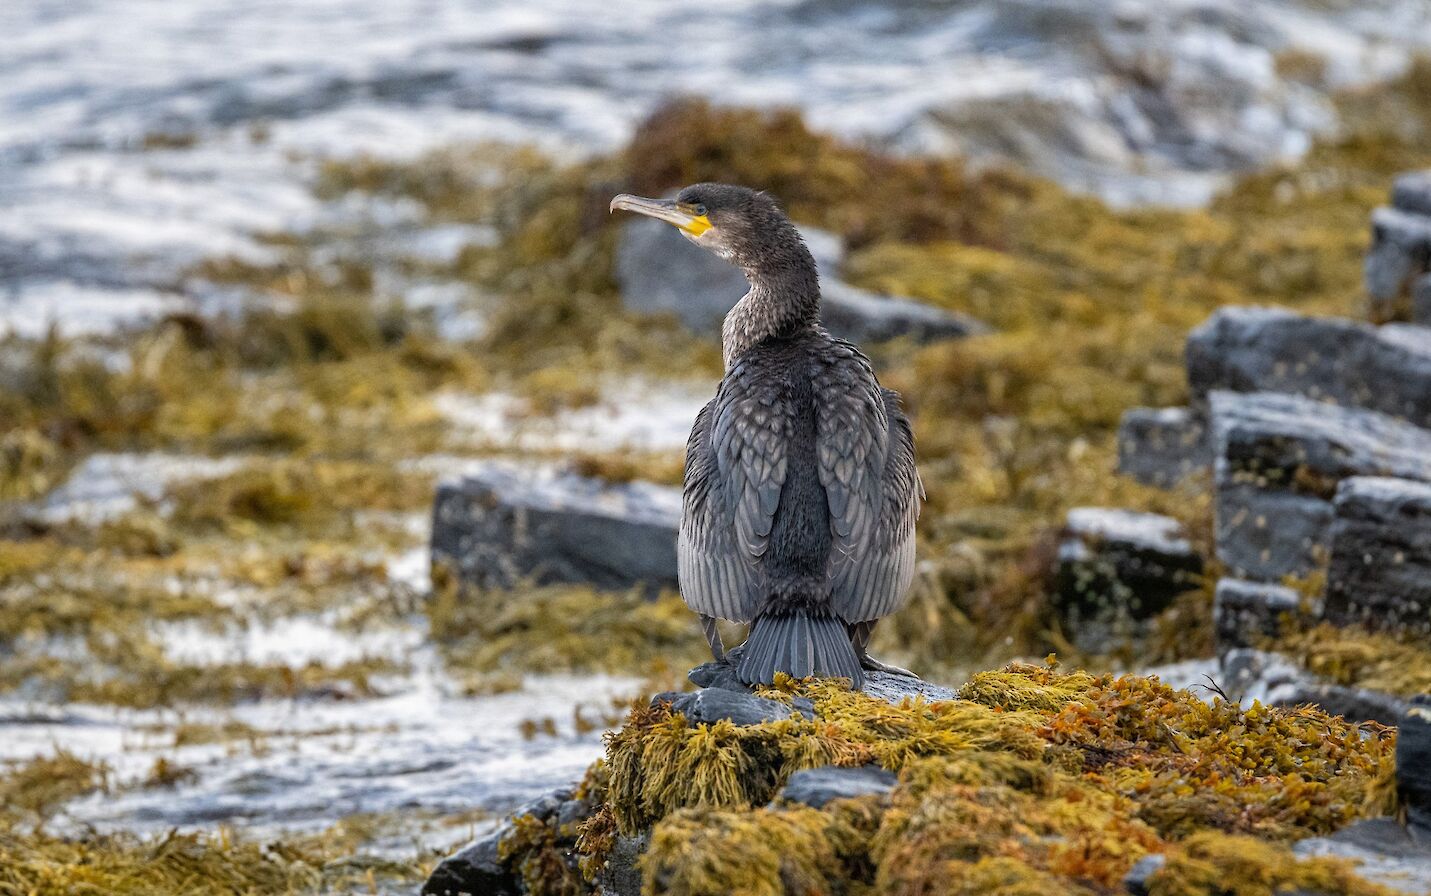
[[782, 302]]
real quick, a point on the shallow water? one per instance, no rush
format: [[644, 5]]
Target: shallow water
[[138, 137], [423, 748]]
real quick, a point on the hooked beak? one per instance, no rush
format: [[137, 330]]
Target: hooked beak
[[668, 210]]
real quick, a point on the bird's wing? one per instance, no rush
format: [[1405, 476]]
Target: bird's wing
[[735, 469], [866, 459]]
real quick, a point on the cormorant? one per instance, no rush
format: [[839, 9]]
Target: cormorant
[[800, 487]]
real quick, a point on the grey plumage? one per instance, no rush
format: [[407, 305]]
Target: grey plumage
[[801, 492]]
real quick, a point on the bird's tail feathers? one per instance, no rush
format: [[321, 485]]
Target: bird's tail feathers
[[801, 643]]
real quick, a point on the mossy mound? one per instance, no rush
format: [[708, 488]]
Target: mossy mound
[[1036, 781]]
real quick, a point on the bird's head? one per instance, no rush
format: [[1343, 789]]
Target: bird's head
[[744, 226]]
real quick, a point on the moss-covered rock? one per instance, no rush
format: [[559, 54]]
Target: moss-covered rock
[[1033, 781]]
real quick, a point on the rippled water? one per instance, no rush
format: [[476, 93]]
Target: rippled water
[[1142, 100]]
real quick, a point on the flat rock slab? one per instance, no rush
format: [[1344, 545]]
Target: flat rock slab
[[660, 271], [1117, 569], [1385, 369], [1162, 446], [1400, 252], [1246, 613], [1279, 459], [817, 786], [505, 525], [1379, 576]]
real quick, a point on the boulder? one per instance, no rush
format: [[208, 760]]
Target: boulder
[[1162, 446], [1245, 613], [506, 524], [1379, 575], [1400, 252], [660, 271], [1139, 879], [1117, 569], [476, 869], [817, 786], [1278, 459], [1385, 369]]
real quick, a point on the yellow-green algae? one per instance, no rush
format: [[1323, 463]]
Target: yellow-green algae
[[1383, 662], [1034, 778]]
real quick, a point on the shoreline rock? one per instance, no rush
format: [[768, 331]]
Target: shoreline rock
[[505, 525], [661, 272]]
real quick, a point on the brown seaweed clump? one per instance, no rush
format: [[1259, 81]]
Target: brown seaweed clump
[[1036, 781]]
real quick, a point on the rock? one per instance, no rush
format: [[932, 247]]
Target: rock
[[1351, 703], [1413, 765], [1385, 852], [1117, 569], [1385, 369], [1138, 880], [506, 525], [885, 686], [710, 705], [1421, 301], [1379, 576], [1411, 192], [863, 316], [475, 868], [893, 688], [1162, 446], [817, 786], [1400, 252], [1278, 459], [1245, 613], [621, 876], [1276, 681], [660, 271]]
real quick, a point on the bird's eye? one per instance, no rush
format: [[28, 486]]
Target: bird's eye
[[700, 208]]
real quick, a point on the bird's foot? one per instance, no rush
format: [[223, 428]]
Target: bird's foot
[[870, 664]]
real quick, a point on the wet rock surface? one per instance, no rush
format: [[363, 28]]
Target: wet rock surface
[[1162, 446], [503, 525], [1245, 613], [1118, 568], [1279, 460], [817, 786], [660, 271], [477, 868], [1379, 576], [1385, 369]]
